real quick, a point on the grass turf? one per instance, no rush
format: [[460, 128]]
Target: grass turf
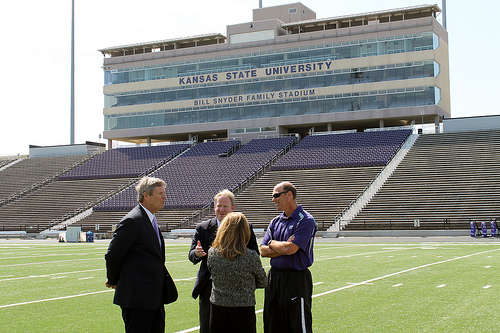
[[359, 287]]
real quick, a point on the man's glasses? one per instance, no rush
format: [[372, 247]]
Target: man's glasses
[[277, 195]]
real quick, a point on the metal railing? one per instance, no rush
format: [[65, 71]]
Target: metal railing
[[46, 181], [342, 218], [201, 213]]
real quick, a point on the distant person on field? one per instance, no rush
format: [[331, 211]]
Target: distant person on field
[[201, 242], [289, 241], [135, 261], [236, 273]]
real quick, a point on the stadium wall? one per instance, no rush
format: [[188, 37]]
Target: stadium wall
[[471, 123], [65, 150]]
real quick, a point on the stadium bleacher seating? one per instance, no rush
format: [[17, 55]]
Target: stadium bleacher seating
[[344, 150], [34, 170], [445, 181], [6, 161], [322, 192], [125, 162], [79, 188], [196, 176], [56, 202], [444, 177]]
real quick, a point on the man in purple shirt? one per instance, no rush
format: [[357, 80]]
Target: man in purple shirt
[[289, 243]]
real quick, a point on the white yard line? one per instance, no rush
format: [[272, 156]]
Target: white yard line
[[371, 280], [43, 254], [362, 254], [354, 255], [54, 299], [258, 311], [49, 275], [401, 272], [192, 329], [47, 262], [58, 298], [55, 261]]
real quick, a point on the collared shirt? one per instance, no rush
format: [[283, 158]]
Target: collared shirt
[[300, 224], [150, 215]]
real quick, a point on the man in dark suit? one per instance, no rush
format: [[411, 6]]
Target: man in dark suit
[[201, 242], [135, 261]]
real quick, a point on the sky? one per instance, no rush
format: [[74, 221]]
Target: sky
[[35, 55]]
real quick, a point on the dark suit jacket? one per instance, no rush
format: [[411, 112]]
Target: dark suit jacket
[[205, 233], [135, 263]]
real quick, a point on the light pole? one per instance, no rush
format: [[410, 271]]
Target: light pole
[[422, 113], [72, 106]]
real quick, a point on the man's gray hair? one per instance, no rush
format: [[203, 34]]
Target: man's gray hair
[[147, 184], [225, 193]]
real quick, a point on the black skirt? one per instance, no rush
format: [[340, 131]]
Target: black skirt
[[232, 319]]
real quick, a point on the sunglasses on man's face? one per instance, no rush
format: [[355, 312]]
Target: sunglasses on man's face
[[277, 195]]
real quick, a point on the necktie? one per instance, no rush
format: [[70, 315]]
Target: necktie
[[157, 230]]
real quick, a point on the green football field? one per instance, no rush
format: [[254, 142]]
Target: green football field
[[392, 286]]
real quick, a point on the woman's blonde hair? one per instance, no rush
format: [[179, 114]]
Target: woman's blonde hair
[[232, 236]]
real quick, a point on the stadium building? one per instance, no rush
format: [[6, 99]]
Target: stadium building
[[285, 72], [217, 112]]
